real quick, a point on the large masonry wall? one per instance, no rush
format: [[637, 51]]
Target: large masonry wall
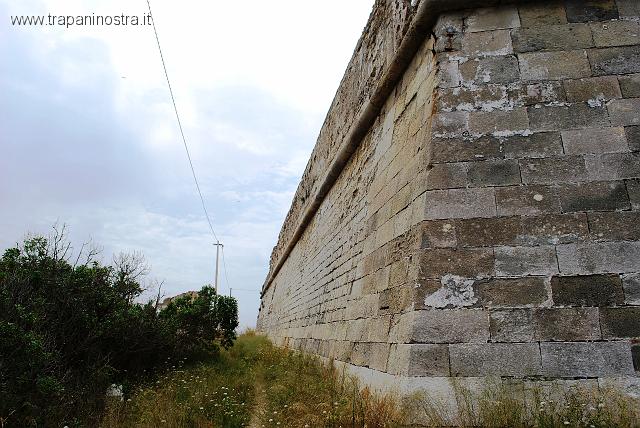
[[489, 222]]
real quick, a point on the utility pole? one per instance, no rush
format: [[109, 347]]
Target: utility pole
[[218, 245]]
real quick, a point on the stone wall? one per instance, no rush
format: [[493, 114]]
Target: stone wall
[[488, 224]]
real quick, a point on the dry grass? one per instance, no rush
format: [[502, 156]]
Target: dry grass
[[256, 384]]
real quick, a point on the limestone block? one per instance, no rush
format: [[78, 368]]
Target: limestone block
[[512, 325], [450, 326], [589, 290], [597, 196], [614, 226], [527, 200], [620, 323], [437, 234], [616, 33], [595, 140], [554, 118], [554, 170], [554, 229], [593, 89], [613, 166], [419, 360], [492, 18], [498, 69], [624, 112], [552, 38], [498, 122], [565, 359], [598, 10], [630, 85], [448, 74], [460, 203], [628, 8], [516, 292], [554, 65], [633, 188], [547, 13], [448, 31], [621, 60], [566, 324], [519, 261], [447, 176], [598, 258], [495, 359], [450, 123], [373, 355], [464, 149], [487, 43], [631, 285], [468, 262], [488, 232], [493, 173]]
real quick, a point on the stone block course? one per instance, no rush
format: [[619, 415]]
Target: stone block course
[[594, 196], [495, 359], [527, 200], [581, 115], [620, 322], [525, 261], [554, 65], [615, 33], [630, 85], [419, 360], [631, 284], [624, 112], [552, 38], [566, 324], [434, 326], [614, 226], [554, 170], [460, 203], [620, 60], [599, 258], [512, 325], [542, 14], [494, 70], [597, 10], [487, 43], [566, 359], [492, 19], [481, 122], [589, 290], [511, 292], [468, 262], [595, 140], [592, 89]]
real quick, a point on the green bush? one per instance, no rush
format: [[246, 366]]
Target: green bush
[[69, 330]]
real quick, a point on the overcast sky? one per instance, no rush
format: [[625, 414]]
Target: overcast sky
[[88, 136]]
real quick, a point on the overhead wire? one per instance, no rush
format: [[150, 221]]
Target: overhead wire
[[184, 139]]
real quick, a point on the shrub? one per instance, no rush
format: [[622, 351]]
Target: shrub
[[68, 330]]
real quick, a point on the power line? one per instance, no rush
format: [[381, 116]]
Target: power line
[[184, 140], [224, 265]]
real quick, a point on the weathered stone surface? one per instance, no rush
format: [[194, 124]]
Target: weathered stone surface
[[613, 166], [493, 19], [562, 359], [487, 43], [603, 257], [628, 8], [595, 196], [538, 145], [553, 170], [567, 324], [620, 322], [633, 188], [595, 140], [630, 85], [635, 354], [488, 232], [594, 10], [522, 261], [550, 118], [622, 60], [460, 203], [450, 123], [419, 360], [512, 325], [517, 292], [633, 137], [449, 74], [436, 263], [535, 93], [496, 70], [631, 285], [448, 31], [624, 112], [536, 14], [447, 176], [590, 290], [481, 122], [614, 226], [437, 234], [593, 89], [552, 38], [434, 326], [554, 229], [373, 355], [493, 173], [495, 359], [616, 33], [554, 65], [465, 149], [527, 200]]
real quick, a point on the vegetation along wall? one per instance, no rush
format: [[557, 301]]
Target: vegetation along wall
[[472, 206]]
